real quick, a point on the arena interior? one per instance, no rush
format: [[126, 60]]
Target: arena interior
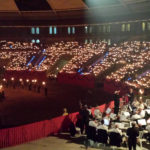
[[74, 74]]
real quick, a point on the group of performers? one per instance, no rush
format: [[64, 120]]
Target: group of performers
[[128, 120]]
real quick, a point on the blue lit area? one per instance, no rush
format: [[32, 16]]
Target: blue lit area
[[55, 30], [50, 30], [73, 30], [37, 41], [32, 30], [69, 30], [99, 3], [44, 50], [129, 79], [80, 70], [33, 41], [30, 61], [42, 61], [37, 30]]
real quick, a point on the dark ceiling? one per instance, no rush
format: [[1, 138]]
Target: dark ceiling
[[46, 12]]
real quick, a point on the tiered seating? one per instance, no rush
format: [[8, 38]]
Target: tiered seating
[[120, 62], [82, 54]]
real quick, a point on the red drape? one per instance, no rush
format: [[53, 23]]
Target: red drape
[[25, 74], [29, 132], [87, 80], [110, 86]]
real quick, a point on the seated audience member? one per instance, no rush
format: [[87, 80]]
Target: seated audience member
[[147, 135], [97, 114], [147, 104], [115, 136], [113, 116], [124, 116], [141, 113], [116, 129], [138, 114], [135, 103], [93, 123], [141, 105], [132, 133], [117, 119], [102, 126], [65, 112]]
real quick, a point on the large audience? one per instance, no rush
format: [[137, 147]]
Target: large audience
[[127, 57]]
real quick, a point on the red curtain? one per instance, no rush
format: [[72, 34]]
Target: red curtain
[[87, 80], [29, 132], [25, 74]]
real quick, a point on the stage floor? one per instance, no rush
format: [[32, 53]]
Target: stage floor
[[63, 142], [22, 106]]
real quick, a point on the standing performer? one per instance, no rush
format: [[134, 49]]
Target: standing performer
[[132, 133], [131, 96], [116, 98]]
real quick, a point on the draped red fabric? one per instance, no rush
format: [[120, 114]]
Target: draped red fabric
[[110, 86], [25, 74], [87, 80], [37, 130]]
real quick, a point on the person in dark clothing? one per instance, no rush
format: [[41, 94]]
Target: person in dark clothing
[[30, 87], [116, 98], [84, 112], [132, 133], [72, 129], [45, 91], [79, 123], [131, 96], [39, 88]]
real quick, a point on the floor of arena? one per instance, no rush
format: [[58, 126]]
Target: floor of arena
[[65, 142], [22, 106]]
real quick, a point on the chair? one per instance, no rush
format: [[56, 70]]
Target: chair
[[115, 139], [141, 139], [91, 136], [148, 101], [102, 136], [91, 133]]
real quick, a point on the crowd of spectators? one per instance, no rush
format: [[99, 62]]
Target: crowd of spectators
[[82, 54], [128, 57], [9, 45]]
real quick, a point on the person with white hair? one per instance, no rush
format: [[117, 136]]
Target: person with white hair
[[97, 114]]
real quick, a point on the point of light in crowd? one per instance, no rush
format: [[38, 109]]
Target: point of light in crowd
[[20, 80], [4, 79], [141, 91], [43, 83], [12, 79], [1, 86], [27, 80]]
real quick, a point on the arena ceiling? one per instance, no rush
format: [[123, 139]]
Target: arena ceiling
[[75, 10]]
